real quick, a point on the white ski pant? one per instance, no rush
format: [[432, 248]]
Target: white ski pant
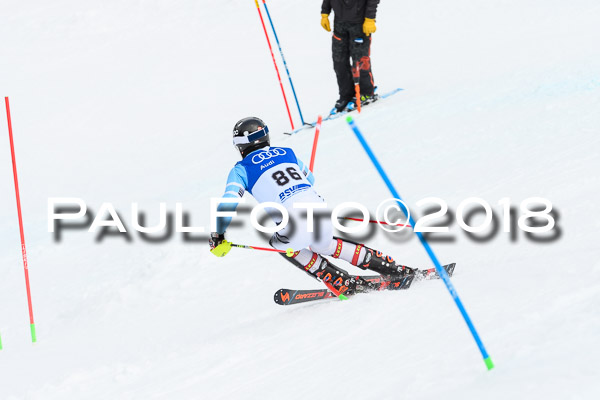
[[310, 246], [295, 235]]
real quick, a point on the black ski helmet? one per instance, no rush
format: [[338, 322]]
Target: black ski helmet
[[250, 134]]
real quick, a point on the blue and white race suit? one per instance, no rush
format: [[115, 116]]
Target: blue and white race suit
[[275, 174]]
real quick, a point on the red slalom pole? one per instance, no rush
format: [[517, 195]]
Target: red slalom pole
[[23, 250], [356, 77], [262, 21], [336, 292], [314, 149], [373, 221]]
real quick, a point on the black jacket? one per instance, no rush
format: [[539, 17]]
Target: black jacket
[[350, 10]]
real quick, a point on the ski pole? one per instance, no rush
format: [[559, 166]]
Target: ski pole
[[289, 252], [262, 21], [314, 148], [374, 221], [438, 267], [356, 76], [0, 342], [284, 62], [23, 250]]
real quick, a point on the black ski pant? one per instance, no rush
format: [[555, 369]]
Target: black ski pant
[[351, 50]]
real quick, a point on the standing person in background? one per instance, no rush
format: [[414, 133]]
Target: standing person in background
[[353, 24]]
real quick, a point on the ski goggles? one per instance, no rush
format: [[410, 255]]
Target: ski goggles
[[251, 137]]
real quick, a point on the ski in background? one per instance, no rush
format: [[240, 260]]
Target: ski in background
[[334, 115]]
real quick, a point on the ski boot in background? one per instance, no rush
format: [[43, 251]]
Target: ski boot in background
[[351, 105], [341, 105], [368, 99], [365, 99]]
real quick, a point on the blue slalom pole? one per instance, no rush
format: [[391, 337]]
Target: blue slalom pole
[[438, 267], [284, 63]]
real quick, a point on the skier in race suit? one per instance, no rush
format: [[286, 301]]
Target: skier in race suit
[[275, 174]]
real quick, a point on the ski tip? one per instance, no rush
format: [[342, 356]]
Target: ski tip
[[342, 297], [450, 269], [489, 363], [282, 297]]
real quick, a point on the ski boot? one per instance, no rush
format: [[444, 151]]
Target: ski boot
[[365, 99], [351, 105], [400, 276], [341, 280], [341, 105], [368, 99]]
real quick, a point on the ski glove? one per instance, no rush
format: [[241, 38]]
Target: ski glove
[[325, 22], [369, 26], [218, 245]]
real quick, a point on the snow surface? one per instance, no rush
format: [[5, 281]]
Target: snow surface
[[125, 102]]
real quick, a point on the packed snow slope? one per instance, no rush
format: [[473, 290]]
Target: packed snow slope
[[127, 102]]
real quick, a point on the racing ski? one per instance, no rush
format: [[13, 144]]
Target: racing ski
[[286, 297]]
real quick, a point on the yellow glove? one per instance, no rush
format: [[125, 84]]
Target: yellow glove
[[325, 22], [369, 26], [222, 249], [218, 245]]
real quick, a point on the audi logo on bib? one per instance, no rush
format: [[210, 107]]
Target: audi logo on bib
[[265, 155]]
